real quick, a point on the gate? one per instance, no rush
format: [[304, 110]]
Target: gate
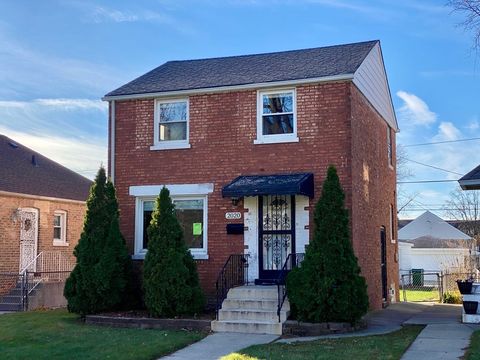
[[418, 285]]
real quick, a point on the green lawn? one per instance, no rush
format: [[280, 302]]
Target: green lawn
[[473, 352], [56, 334], [390, 346], [425, 294]]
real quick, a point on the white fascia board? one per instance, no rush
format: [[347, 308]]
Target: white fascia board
[[175, 189], [474, 182], [272, 84]]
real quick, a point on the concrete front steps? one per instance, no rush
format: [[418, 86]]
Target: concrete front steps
[[251, 309], [13, 300]]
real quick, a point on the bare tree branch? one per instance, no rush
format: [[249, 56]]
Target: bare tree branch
[[471, 9]]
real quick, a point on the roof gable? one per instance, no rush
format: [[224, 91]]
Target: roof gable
[[371, 80], [25, 171], [430, 225], [233, 71]]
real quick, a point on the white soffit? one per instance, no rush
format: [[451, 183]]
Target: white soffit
[[371, 80]]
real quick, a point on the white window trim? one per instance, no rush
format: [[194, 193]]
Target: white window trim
[[140, 252], [169, 144], [278, 138], [392, 239], [63, 228], [390, 146]]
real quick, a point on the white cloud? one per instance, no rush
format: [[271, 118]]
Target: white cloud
[[447, 131], [62, 104], [101, 14], [27, 72], [473, 125], [415, 110]]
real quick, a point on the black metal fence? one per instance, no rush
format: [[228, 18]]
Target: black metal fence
[[16, 289]]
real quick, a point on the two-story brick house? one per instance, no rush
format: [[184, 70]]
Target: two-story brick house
[[247, 140]]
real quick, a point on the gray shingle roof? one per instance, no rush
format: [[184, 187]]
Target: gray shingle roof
[[25, 171], [249, 69], [471, 180]]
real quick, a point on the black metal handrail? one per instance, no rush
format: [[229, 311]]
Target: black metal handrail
[[234, 273], [293, 260]]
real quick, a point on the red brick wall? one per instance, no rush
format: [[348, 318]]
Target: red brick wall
[[222, 131], [10, 230], [373, 185]]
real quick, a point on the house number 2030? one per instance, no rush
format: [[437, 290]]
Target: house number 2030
[[233, 215]]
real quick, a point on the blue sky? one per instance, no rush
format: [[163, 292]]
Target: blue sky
[[59, 57]]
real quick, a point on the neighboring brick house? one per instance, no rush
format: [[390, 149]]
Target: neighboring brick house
[[247, 140], [42, 206]]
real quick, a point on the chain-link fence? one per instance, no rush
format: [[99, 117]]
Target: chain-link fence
[[418, 285]]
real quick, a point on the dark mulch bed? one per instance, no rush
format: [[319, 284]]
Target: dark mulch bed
[[144, 314]]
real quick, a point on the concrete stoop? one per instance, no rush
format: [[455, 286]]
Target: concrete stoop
[[251, 309]]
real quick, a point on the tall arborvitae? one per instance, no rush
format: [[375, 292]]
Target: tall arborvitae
[[100, 279], [170, 277], [328, 285]]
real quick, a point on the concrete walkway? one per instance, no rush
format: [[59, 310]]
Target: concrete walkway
[[219, 344], [443, 338]]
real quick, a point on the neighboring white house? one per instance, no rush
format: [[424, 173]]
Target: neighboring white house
[[432, 244]]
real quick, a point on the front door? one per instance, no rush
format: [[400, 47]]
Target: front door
[[276, 233], [28, 238], [383, 261]]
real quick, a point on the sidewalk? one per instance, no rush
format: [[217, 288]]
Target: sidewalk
[[444, 336], [219, 344]]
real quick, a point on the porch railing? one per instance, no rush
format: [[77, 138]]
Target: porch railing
[[234, 273], [47, 266], [293, 260]]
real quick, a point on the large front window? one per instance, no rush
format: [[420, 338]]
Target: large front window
[[276, 121], [192, 215], [171, 124]]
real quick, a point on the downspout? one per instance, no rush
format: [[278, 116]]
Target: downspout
[[112, 141]]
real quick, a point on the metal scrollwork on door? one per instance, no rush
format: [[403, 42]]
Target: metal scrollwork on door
[[28, 225], [277, 230], [28, 238]]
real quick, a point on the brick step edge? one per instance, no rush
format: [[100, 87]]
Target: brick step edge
[[149, 323], [295, 328]]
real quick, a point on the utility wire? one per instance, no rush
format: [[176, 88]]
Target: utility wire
[[433, 167], [425, 181], [442, 142]]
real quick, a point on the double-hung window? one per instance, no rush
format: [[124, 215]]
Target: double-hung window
[[171, 124], [60, 228], [276, 117]]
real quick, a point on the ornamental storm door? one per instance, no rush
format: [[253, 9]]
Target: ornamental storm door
[[276, 233], [28, 238]]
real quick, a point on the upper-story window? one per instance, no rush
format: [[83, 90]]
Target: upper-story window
[[60, 228], [389, 146], [276, 116], [171, 124]]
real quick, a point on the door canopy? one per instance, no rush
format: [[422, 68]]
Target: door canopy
[[280, 184]]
